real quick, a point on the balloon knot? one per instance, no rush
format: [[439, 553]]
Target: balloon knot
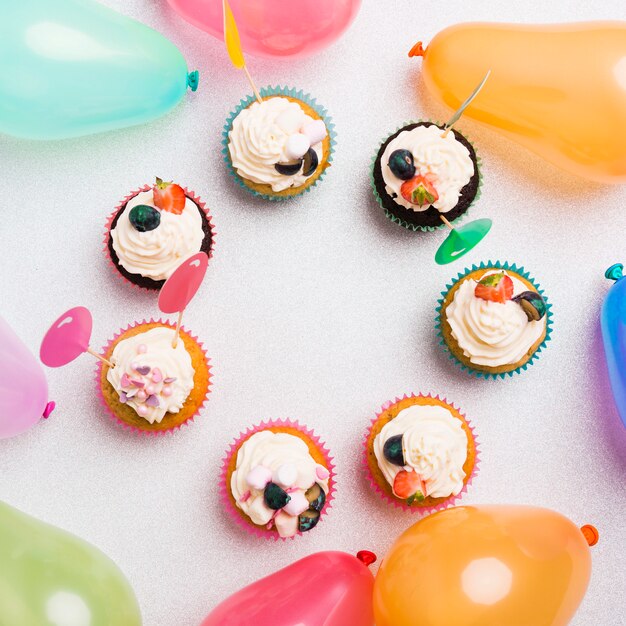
[[590, 533], [615, 272], [49, 408], [417, 50], [192, 80], [366, 557]]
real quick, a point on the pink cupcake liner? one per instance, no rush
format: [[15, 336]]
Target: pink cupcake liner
[[424, 510], [107, 231], [235, 513], [109, 410]]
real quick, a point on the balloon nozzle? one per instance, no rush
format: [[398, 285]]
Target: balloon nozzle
[[417, 50], [366, 557], [192, 80], [49, 408], [590, 533], [614, 272]]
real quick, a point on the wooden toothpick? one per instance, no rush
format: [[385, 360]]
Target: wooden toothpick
[[177, 333], [99, 357], [446, 222], [256, 91]]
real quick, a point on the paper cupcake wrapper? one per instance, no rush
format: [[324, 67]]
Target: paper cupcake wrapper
[[277, 91], [107, 231], [402, 222], [109, 410], [401, 504], [231, 508], [504, 266]]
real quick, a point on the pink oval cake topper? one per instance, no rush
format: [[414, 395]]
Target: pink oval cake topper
[[67, 338], [180, 288]]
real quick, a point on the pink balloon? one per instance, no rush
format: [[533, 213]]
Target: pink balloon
[[23, 386], [180, 288], [67, 338], [275, 28], [324, 589]]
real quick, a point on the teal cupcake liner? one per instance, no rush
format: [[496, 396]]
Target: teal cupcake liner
[[404, 223], [277, 91], [503, 266]]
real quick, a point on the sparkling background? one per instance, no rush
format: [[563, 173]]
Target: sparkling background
[[320, 309]]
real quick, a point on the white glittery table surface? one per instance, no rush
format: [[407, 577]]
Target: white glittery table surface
[[319, 309]]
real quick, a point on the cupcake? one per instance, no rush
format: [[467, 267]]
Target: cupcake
[[153, 230], [277, 480], [493, 319], [153, 386], [422, 173], [280, 147], [420, 453]]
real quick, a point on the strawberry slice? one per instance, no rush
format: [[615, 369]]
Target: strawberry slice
[[409, 486], [495, 288], [419, 190], [169, 197]]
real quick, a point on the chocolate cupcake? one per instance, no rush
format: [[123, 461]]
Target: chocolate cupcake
[[422, 173], [153, 230]]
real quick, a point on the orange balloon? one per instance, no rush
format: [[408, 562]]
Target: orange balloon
[[558, 89], [486, 566]]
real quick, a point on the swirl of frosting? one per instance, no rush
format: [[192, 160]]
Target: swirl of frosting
[[445, 159], [492, 333], [434, 445], [157, 253], [274, 452], [150, 375], [258, 140]]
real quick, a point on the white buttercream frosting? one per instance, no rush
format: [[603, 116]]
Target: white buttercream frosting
[[157, 253], [279, 455], [444, 160], [147, 365], [492, 333], [259, 139], [434, 445]]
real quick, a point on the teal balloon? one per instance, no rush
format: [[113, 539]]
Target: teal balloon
[[49, 577], [75, 67]]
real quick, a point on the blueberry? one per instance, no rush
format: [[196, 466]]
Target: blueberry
[[393, 450], [532, 304], [288, 169], [308, 520], [401, 164], [144, 218], [316, 497], [310, 162], [275, 497]]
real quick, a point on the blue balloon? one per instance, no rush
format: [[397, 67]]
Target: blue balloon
[[75, 67], [614, 335]]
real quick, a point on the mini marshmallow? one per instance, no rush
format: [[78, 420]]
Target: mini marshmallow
[[286, 525], [315, 131], [297, 146], [286, 475], [258, 477], [298, 504]]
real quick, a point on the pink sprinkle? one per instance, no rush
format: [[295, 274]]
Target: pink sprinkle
[[244, 497], [157, 377], [321, 472], [270, 524], [125, 381], [142, 410], [144, 370], [123, 397], [150, 389], [141, 395], [142, 348], [49, 408], [167, 381], [152, 401], [136, 383], [166, 391]]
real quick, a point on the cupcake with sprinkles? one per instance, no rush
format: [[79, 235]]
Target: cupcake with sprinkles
[[420, 453], [277, 480], [425, 175], [153, 230], [150, 382], [494, 320]]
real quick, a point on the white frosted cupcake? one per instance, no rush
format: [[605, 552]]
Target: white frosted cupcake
[[280, 147], [153, 230], [277, 480]]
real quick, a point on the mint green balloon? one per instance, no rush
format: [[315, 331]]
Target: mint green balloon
[[75, 67], [49, 577]]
